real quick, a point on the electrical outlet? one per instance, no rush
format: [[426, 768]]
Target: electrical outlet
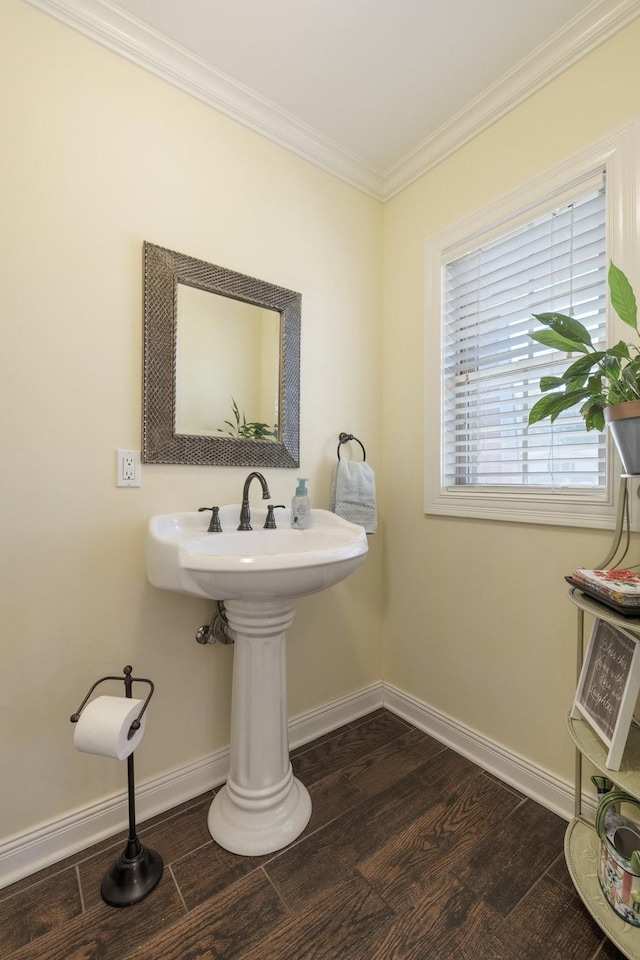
[[128, 469]]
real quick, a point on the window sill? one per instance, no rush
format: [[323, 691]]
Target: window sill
[[568, 509]]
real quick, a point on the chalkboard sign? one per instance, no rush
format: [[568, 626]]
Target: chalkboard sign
[[608, 687]]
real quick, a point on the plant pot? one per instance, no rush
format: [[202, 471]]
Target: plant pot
[[623, 420]]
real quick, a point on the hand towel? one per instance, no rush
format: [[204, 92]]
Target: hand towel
[[353, 493]]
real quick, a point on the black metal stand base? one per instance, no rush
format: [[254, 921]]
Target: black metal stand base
[[134, 875]]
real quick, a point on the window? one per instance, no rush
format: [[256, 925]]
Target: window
[[545, 248], [492, 368]]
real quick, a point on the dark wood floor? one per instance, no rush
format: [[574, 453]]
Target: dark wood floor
[[411, 852]]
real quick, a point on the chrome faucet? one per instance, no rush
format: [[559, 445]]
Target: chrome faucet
[[245, 513]]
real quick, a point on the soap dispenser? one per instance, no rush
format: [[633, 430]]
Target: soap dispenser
[[301, 506]]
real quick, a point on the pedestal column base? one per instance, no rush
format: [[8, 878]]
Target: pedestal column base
[[259, 823], [262, 807]]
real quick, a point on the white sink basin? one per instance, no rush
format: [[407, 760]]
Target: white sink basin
[[258, 574], [251, 564]]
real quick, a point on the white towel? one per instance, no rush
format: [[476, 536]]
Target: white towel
[[353, 493]]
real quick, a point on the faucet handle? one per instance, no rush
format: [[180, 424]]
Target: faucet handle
[[214, 525], [270, 522]]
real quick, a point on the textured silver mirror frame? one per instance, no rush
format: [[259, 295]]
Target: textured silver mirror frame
[[163, 269]]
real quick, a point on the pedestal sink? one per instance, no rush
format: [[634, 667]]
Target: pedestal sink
[[259, 574]]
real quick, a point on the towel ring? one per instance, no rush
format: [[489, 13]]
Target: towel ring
[[344, 438]]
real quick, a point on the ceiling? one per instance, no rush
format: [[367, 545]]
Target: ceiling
[[375, 91]]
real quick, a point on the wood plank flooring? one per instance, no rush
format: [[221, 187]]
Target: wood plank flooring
[[412, 853]]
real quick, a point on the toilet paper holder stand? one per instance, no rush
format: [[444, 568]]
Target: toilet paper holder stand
[[128, 686], [138, 869]]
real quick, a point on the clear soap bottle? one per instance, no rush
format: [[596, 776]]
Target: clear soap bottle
[[301, 506]]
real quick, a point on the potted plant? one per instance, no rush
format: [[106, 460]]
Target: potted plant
[[606, 382]]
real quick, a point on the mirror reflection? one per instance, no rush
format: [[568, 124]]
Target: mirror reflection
[[227, 367], [221, 365]]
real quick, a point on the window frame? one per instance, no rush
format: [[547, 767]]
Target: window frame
[[618, 154]]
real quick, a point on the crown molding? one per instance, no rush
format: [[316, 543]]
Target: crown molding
[[109, 25], [579, 37]]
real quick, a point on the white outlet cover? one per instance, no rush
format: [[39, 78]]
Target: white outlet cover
[[128, 468]]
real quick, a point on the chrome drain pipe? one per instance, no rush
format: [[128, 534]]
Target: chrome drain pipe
[[218, 629]]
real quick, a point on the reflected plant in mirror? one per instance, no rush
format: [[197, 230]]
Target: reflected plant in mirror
[[242, 429], [221, 365]]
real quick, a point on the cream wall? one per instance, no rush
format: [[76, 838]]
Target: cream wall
[[476, 623], [98, 156]]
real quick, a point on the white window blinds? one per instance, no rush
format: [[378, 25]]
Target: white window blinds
[[555, 262]]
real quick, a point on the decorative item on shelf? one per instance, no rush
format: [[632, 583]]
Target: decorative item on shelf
[[608, 687], [113, 727], [617, 588], [605, 381], [619, 859], [610, 583], [602, 784]]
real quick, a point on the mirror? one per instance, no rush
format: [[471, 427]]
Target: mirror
[[221, 365], [248, 337]]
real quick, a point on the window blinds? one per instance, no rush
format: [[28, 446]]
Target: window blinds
[[555, 262]]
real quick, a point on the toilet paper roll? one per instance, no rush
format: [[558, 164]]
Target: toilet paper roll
[[104, 724]]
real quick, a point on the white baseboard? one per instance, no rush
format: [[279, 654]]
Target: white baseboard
[[549, 791], [54, 841], [315, 723]]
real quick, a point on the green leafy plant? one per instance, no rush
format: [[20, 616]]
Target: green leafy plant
[[242, 429], [598, 378]]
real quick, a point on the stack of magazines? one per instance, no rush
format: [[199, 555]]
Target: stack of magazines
[[618, 589]]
